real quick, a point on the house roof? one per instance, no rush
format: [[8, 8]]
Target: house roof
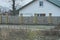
[[55, 2], [26, 5]]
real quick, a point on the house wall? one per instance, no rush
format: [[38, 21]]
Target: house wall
[[36, 8]]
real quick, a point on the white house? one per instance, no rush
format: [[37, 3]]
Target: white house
[[41, 6]]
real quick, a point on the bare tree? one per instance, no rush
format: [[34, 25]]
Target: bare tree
[[14, 6]]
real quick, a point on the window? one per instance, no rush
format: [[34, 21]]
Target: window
[[41, 3], [42, 14]]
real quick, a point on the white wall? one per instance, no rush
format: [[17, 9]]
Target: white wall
[[46, 8]]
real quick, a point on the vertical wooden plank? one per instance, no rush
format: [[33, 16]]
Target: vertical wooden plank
[[21, 18], [0, 19], [50, 18], [35, 19], [6, 18]]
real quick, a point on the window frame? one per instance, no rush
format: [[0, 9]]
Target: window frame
[[40, 3]]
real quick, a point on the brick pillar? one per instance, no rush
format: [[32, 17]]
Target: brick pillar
[[21, 18], [35, 19], [6, 18], [0, 18], [50, 18]]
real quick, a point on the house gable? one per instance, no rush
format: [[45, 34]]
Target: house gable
[[26, 5], [35, 7], [55, 2]]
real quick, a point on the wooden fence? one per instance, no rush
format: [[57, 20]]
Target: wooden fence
[[6, 19]]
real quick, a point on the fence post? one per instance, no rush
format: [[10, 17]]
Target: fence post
[[35, 19], [50, 18], [6, 18], [0, 19], [21, 18]]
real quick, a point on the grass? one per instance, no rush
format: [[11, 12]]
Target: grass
[[27, 26]]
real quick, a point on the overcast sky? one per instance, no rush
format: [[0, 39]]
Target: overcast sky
[[6, 3]]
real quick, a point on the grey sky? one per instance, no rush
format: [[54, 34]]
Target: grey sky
[[6, 3]]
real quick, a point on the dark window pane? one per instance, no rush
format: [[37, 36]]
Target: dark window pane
[[41, 3]]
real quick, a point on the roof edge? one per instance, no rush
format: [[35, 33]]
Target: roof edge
[[26, 5], [53, 3]]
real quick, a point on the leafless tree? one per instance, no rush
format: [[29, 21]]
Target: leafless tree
[[14, 6]]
